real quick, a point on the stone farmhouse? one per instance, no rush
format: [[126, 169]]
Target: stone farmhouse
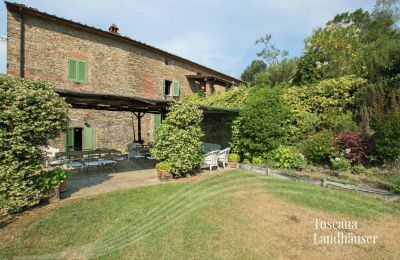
[[119, 88]]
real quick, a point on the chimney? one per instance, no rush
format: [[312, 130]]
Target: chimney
[[113, 29]]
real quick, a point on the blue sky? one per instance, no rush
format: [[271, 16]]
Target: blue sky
[[216, 33]]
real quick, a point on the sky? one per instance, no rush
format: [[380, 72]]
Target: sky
[[219, 34]]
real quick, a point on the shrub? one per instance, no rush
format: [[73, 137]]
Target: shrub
[[263, 122], [340, 163], [318, 148], [233, 157], [177, 141], [386, 141], [287, 158], [257, 160], [317, 101], [53, 178], [162, 166], [355, 145], [31, 114]]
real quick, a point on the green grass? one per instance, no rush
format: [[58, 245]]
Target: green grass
[[197, 219]]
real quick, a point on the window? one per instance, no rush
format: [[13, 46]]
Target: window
[[77, 71], [167, 87], [171, 88], [167, 62], [80, 139]]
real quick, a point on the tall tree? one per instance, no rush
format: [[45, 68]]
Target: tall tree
[[255, 67]]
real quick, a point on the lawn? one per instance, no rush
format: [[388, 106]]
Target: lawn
[[234, 214]]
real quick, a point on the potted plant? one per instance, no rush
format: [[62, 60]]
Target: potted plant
[[55, 181], [163, 171], [233, 160]]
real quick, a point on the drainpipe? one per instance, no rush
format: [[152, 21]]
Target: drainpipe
[[22, 46]]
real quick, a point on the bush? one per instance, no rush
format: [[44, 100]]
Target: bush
[[354, 144], [321, 104], [53, 178], [257, 160], [340, 163], [31, 114], [177, 141], [386, 141], [233, 157], [287, 158], [263, 122], [318, 148], [162, 166]]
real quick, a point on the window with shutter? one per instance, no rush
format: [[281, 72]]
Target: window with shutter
[[72, 70], [77, 71], [81, 71], [175, 89], [89, 138], [69, 139], [157, 121]]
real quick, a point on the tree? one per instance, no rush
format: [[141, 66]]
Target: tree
[[269, 52], [262, 123], [31, 114], [178, 139], [277, 74], [255, 67]]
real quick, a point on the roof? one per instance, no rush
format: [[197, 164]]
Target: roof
[[112, 102], [16, 7]]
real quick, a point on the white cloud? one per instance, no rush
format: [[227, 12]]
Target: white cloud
[[219, 33]]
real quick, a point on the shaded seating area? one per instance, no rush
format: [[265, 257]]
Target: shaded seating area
[[82, 160], [213, 158]]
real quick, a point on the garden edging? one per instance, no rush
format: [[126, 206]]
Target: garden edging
[[325, 183]]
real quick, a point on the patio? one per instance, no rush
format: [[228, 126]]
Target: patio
[[129, 174]]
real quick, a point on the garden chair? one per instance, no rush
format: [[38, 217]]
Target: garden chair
[[223, 157], [211, 159]]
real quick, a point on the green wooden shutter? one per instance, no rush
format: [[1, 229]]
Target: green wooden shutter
[[164, 87], [72, 70], [89, 138], [175, 89], [81, 71], [157, 121], [69, 139]]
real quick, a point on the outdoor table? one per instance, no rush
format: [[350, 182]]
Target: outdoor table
[[92, 152]]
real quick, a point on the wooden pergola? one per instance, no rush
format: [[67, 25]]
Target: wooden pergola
[[138, 106]]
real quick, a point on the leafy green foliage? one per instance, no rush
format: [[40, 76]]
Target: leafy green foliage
[[263, 122], [53, 178], [163, 166], [233, 98], [318, 148], [31, 114], [233, 157], [340, 163], [312, 105], [385, 140], [287, 158], [255, 67], [280, 73], [177, 140]]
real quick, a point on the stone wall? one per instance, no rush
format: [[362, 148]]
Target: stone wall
[[113, 67], [217, 129]]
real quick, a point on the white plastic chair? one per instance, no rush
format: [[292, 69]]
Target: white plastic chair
[[223, 157], [211, 159]]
